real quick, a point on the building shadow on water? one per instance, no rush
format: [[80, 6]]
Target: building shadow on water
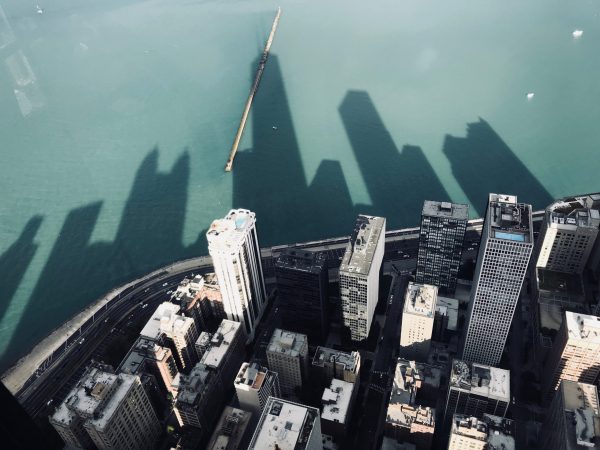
[[15, 261], [397, 182], [269, 178], [483, 163], [150, 235]]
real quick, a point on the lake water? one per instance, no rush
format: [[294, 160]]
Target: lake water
[[116, 119]]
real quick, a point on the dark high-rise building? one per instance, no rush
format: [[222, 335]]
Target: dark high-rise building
[[441, 239], [302, 281]]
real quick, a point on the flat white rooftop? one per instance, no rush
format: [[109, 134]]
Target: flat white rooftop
[[336, 401], [284, 426], [363, 243], [220, 343], [583, 327], [163, 313], [420, 299]]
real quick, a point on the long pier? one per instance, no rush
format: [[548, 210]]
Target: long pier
[[253, 90]]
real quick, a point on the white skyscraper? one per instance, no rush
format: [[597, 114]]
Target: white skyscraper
[[233, 246], [417, 321], [359, 275], [506, 245]]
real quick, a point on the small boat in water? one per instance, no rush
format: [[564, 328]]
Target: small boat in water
[[577, 34], [39, 9], [530, 96], [274, 127]]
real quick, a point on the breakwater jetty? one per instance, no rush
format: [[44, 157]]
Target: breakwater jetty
[[253, 90]]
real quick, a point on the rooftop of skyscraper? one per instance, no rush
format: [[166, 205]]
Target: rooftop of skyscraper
[[573, 212], [583, 327], [458, 211], [284, 426], [95, 397], [230, 430], [420, 299], [509, 220], [363, 243], [324, 354], [220, 342], [336, 401], [193, 384], [302, 260], [164, 314], [251, 375], [287, 342], [481, 380], [230, 231]]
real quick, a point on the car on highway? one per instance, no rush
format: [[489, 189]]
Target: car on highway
[[165, 284]]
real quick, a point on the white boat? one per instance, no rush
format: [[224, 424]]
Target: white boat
[[530, 96], [39, 9], [577, 34]]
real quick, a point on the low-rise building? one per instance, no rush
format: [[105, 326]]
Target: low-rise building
[[406, 420], [287, 354], [328, 364], [573, 419], [254, 385], [488, 433], [107, 411], [200, 298], [232, 430], [477, 389], [285, 425]]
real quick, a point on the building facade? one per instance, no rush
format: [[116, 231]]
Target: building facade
[[108, 412], [146, 356], [254, 385], [287, 425], [572, 419], [575, 355], [302, 286], [287, 354], [359, 275], [417, 321], [441, 240], [506, 246], [233, 246]]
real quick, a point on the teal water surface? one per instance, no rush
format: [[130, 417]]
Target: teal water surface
[[116, 119]]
